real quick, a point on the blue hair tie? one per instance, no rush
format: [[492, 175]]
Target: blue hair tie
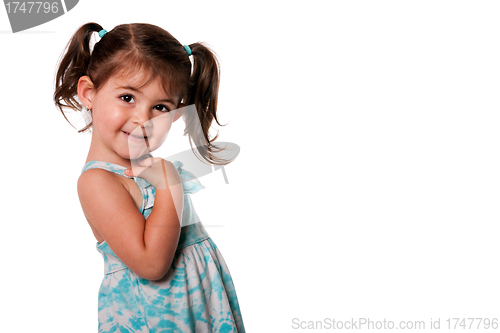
[[102, 33], [188, 50]]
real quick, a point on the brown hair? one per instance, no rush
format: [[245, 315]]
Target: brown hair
[[132, 48]]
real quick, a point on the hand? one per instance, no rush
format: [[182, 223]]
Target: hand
[[153, 169]]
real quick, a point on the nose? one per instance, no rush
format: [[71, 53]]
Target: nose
[[141, 116]]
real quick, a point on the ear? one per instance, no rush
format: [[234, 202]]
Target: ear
[[85, 91], [179, 113]]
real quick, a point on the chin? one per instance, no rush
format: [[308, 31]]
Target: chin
[[135, 154]]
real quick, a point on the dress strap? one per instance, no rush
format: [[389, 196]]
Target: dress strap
[[190, 183], [106, 166]]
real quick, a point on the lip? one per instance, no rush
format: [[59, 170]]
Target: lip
[[133, 138]]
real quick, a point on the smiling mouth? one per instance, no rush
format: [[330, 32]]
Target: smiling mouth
[[135, 136]]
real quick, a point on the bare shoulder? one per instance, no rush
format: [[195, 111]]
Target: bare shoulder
[[102, 193], [96, 179]]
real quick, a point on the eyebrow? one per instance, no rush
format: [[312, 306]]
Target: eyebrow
[[137, 90]]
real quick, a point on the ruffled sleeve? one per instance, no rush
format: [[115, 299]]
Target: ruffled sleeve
[[190, 183]]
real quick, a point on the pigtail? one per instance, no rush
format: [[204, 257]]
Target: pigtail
[[74, 65], [203, 92]]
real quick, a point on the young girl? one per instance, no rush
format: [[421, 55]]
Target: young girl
[[162, 270]]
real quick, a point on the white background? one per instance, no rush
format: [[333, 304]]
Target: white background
[[368, 180]]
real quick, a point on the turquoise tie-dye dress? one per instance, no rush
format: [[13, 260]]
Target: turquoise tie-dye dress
[[196, 295]]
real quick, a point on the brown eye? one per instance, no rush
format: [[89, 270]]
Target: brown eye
[[127, 98], [162, 108]]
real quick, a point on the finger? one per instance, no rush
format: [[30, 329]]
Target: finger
[[135, 171]]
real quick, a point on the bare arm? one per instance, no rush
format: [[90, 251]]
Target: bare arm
[[146, 247]]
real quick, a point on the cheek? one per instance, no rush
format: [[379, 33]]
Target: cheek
[[110, 119], [162, 127]]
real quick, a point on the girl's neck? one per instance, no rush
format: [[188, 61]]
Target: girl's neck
[[119, 161], [99, 152]]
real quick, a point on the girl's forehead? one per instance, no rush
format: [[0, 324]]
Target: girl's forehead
[[136, 80]]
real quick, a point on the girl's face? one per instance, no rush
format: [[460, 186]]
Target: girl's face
[[130, 120]]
